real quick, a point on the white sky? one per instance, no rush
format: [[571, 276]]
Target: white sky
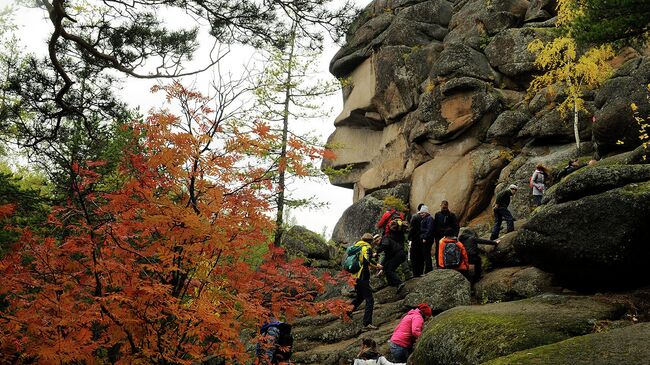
[[34, 29]]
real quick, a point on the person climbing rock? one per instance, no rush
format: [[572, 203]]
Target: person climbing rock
[[572, 166], [470, 240], [452, 254], [442, 221], [370, 356], [501, 211], [537, 184], [427, 236], [407, 332], [362, 283], [392, 245], [390, 215]]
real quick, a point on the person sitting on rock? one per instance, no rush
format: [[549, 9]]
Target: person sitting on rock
[[408, 331], [369, 354], [470, 241], [443, 220], [390, 215], [501, 211], [572, 166], [392, 245], [362, 283]]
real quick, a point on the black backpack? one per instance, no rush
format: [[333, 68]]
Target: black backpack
[[451, 255], [284, 342]]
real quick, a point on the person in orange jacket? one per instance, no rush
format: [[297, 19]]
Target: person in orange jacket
[[453, 257]]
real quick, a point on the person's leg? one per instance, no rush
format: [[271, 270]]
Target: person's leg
[[537, 200], [399, 353], [478, 267], [389, 269], [428, 263], [510, 222], [370, 301], [497, 224], [358, 298], [417, 258]]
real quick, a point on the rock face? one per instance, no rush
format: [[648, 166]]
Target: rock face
[[472, 335], [628, 345], [513, 283], [299, 241]]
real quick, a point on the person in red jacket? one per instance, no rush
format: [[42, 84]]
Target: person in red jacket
[[454, 257], [390, 215], [407, 332]]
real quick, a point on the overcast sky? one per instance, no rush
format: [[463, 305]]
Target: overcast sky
[[34, 29]]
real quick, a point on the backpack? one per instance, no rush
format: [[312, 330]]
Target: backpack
[[352, 262], [451, 256], [284, 341]]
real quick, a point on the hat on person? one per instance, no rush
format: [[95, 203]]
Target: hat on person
[[425, 310], [513, 186], [367, 237], [423, 209]]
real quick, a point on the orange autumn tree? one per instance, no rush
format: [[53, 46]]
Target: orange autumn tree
[[167, 261]]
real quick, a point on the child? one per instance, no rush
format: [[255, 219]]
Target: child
[[369, 355]]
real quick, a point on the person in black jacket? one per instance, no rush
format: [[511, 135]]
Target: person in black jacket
[[501, 211], [427, 237], [416, 250], [393, 247], [471, 240], [442, 221]]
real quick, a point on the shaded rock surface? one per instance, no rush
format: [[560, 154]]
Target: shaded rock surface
[[513, 283], [627, 345], [471, 335]]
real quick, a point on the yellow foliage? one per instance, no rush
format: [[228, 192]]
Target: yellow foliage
[[564, 67]]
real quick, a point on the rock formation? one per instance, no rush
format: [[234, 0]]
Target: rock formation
[[436, 107]]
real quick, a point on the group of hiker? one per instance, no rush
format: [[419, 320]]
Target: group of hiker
[[432, 240]]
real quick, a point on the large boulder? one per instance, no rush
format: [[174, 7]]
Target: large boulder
[[627, 345], [508, 124], [476, 21], [551, 124], [614, 119], [460, 173], [513, 283], [458, 59], [362, 216], [440, 289], [504, 254], [300, 241], [475, 334], [597, 241], [508, 51]]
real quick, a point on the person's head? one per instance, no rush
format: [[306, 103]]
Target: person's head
[[540, 167], [513, 188], [423, 210], [376, 239], [449, 232], [425, 310], [368, 344], [367, 237], [444, 206], [419, 206], [394, 225]]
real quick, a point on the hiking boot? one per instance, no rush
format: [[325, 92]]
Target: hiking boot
[[370, 327]]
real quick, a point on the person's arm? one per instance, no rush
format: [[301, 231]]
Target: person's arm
[[416, 326]]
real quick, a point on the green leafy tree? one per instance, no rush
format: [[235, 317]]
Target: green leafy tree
[[289, 90], [606, 21]]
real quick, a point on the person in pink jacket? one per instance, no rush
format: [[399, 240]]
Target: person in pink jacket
[[407, 332]]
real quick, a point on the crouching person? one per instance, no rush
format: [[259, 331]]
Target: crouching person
[[407, 332]]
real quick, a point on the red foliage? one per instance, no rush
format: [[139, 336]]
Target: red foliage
[[169, 267]]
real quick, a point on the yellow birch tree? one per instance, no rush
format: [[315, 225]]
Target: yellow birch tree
[[564, 67]]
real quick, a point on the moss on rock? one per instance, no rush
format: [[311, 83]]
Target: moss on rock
[[474, 334], [628, 345]]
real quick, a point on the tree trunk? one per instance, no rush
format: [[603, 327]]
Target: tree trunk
[[576, 131], [285, 131]]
